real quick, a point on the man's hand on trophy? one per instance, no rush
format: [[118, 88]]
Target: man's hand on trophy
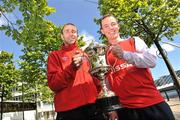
[[117, 51], [77, 58], [113, 115]]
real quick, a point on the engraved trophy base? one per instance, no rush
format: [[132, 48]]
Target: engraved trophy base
[[108, 104]]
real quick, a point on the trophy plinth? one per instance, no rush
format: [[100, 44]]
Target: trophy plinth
[[107, 100]]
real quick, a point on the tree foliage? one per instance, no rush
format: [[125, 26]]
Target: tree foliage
[[150, 19], [8, 74], [38, 37]]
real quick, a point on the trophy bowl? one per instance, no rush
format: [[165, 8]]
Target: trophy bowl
[[107, 100]]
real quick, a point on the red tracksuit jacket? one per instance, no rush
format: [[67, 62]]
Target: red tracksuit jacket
[[72, 87], [134, 86]]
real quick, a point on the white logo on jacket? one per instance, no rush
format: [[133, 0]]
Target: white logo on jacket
[[64, 58], [121, 67]]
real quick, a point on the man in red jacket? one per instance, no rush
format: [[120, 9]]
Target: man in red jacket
[[130, 77], [69, 78]]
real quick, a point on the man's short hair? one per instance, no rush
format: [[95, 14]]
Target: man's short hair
[[66, 25], [105, 16]]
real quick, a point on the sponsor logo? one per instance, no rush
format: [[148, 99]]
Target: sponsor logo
[[64, 58], [122, 67]]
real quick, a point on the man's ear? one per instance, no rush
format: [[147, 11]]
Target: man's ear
[[102, 32], [61, 36]]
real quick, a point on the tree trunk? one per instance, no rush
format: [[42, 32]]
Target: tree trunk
[[23, 99], [36, 105], [169, 66], [53, 110], [2, 95], [36, 110]]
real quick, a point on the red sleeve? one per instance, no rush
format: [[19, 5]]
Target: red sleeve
[[97, 82], [58, 78]]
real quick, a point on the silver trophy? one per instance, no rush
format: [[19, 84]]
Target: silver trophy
[[107, 100]]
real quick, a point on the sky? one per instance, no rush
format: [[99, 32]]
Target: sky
[[82, 14]]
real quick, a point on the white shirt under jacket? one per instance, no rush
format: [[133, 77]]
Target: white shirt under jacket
[[144, 57]]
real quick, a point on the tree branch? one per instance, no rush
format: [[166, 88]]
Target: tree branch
[[160, 30]]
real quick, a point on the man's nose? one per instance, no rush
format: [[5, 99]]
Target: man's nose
[[71, 34]]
